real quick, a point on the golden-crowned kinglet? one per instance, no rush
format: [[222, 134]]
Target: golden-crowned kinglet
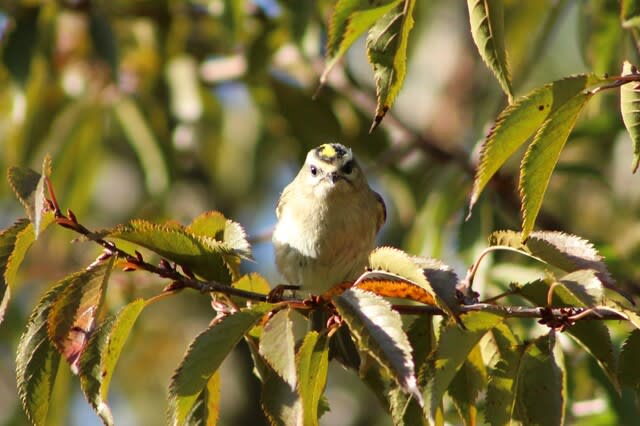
[[328, 218]]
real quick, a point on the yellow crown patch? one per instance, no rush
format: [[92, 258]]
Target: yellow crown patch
[[327, 150], [332, 151]]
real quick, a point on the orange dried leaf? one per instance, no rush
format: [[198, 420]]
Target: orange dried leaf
[[398, 289]]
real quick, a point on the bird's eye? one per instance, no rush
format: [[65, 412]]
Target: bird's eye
[[314, 170], [347, 168]]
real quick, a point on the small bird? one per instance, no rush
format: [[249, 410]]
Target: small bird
[[328, 219]]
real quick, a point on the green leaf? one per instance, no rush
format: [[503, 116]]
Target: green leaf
[[204, 356], [349, 20], [465, 388], [630, 13], [14, 243], [213, 224], [37, 360], [593, 336], [453, 348], [280, 402], [206, 410], [99, 358], [542, 155], [628, 372], [29, 188], [378, 331], [312, 363], [487, 28], [73, 314], [142, 140], [387, 51], [541, 384], [517, 122], [503, 369], [630, 110], [277, 346], [203, 255], [253, 282]]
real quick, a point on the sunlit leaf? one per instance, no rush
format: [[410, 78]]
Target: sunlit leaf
[[253, 282], [73, 314], [350, 19], [29, 188], [518, 122], [386, 284], [453, 348], [628, 372], [543, 154], [99, 358], [204, 356], [378, 331], [387, 51], [206, 410], [203, 255], [37, 360], [487, 28], [312, 361], [540, 384], [14, 243], [593, 336], [630, 109]]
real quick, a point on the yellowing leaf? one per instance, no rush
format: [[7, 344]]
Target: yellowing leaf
[[312, 361], [542, 155], [387, 51], [630, 109]]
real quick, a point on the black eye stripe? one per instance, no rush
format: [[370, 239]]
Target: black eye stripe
[[348, 167]]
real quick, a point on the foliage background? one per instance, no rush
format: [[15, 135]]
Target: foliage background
[[164, 109]]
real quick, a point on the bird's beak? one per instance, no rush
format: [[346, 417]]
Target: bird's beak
[[334, 177]]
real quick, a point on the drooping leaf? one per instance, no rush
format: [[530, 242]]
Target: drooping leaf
[[453, 348], [204, 356], [312, 362], [73, 314], [98, 360], [203, 255], [503, 370], [630, 13], [277, 346], [387, 51], [405, 411], [386, 284], [630, 110], [37, 360], [280, 402], [378, 331], [14, 243], [487, 28], [540, 383], [144, 143], [349, 20], [518, 121], [465, 388], [29, 188], [543, 154], [593, 336], [628, 372]]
